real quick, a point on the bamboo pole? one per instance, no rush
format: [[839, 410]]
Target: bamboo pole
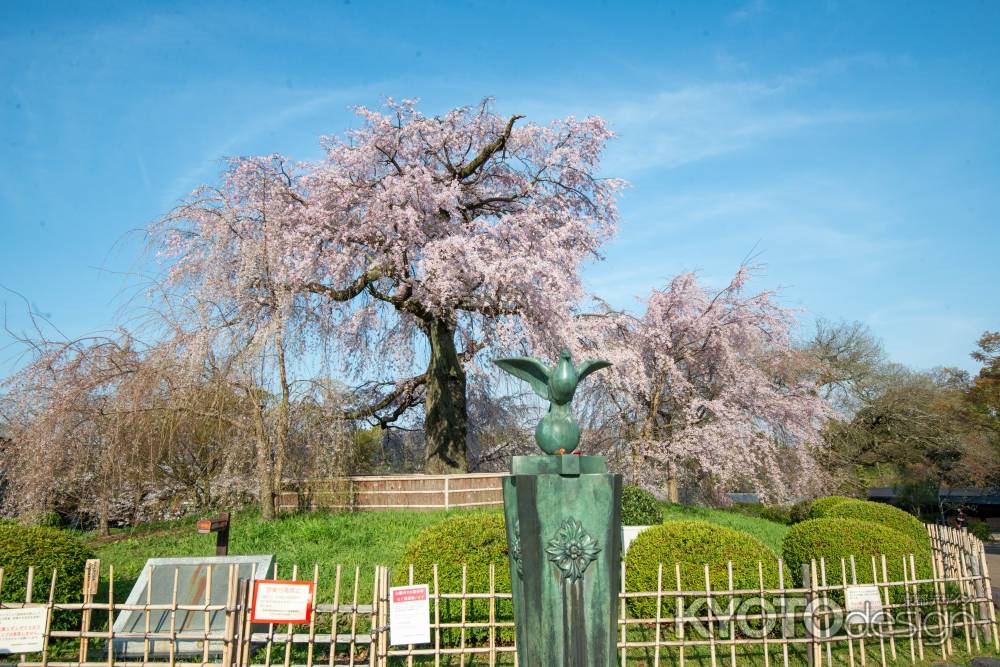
[[881, 637], [765, 629], [335, 618], [48, 618], [680, 612], [711, 620], [91, 579], [659, 613], [784, 612], [354, 615], [887, 600], [437, 618], [984, 567], [847, 627], [173, 621], [313, 607], [732, 612]]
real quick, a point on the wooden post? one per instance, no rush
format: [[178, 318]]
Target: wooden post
[[807, 619], [220, 526], [91, 577], [229, 632], [241, 640]]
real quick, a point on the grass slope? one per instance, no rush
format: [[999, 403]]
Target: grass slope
[[327, 540], [768, 532]]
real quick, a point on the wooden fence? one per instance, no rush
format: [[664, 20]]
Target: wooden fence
[[364, 493], [783, 623]]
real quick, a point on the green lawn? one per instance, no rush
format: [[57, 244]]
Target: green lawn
[[327, 540], [368, 538]]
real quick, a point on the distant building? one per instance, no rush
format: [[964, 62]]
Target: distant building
[[983, 504]]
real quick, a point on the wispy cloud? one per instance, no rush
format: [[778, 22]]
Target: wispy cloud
[[675, 126], [255, 125], [748, 11]]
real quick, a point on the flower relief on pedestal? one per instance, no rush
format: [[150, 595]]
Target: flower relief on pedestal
[[515, 547], [572, 549]]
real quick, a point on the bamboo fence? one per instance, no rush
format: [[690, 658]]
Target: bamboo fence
[[392, 492], [924, 617]]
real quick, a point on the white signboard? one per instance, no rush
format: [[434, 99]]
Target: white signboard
[[863, 604], [22, 630], [409, 615], [277, 601]]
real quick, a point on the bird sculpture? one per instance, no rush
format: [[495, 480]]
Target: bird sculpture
[[558, 432]]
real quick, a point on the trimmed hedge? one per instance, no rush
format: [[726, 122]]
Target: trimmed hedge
[[835, 538], [475, 540], [639, 507], [45, 549], [886, 515], [981, 529], [693, 544], [821, 506]]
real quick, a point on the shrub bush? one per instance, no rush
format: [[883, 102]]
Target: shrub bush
[[981, 529], [693, 544], [45, 549], [821, 506], [799, 512], [835, 538], [886, 515], [640, 508], [474, 539]]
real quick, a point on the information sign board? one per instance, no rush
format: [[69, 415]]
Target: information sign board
[[409, 615], [22, 630], [863, 604], [280, 601]]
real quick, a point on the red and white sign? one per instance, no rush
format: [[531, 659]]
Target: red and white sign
[[277, 601], [409, 615], [22, 630]]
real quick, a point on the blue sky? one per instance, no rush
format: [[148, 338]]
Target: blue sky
[[852, 146]]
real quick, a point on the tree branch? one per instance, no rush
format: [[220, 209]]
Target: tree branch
[[488, 151], [349, 292], [406, 388]]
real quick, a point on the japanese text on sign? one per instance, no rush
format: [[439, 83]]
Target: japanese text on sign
[[276, 601], [409, 615], [22, 630]]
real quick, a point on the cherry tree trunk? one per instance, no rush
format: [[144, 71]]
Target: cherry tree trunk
[[265, 466], [446, 423]]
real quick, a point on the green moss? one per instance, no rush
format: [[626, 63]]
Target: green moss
[[640, 507]]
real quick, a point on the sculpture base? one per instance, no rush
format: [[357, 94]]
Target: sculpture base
[[564, 535]]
